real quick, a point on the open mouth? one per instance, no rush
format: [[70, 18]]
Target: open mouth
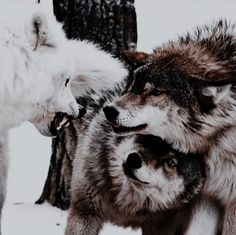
[[62, 120], [128, 172], [124, 129], [59, 123]]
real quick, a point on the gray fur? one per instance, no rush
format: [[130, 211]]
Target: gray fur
[[185, 92], [101, 191]]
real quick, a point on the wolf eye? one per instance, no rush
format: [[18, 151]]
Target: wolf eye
[[67, 81], [170, 163], [156, 92]]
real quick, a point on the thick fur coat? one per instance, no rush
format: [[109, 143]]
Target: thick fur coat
[[185, 93], [136, 180], [37, 67]]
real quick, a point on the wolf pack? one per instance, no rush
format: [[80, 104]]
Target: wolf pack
[[156, 146]]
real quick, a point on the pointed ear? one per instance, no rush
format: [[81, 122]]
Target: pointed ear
[[209, 97], [135, 59], [39, 32], [80, 83]]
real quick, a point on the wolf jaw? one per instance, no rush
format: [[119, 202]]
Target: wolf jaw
[[173, 127]]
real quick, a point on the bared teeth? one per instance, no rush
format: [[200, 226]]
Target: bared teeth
[[64, 121], [58, 128]]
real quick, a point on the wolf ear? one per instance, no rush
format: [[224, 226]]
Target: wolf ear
[[39, 33], [135, 59], [209, 97]]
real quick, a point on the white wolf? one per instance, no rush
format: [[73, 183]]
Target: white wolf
[[36, 64]]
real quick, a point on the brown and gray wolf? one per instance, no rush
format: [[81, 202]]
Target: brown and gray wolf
[[36, 64], [137, 180], [185, 93]]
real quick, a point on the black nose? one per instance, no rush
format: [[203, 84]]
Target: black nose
[[111, 113], [134, 161]]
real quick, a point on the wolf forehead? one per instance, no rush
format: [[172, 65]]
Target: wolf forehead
[[206, 57], [153, 147]]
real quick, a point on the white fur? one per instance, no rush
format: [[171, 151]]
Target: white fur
[[94, 68], [205, 219], [30, 76], [36, 59], [32, 79]]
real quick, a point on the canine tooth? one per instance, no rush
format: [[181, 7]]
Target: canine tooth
[[59, 127], [67, 124], [64, 120]]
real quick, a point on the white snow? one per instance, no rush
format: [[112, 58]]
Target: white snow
[[158, 21]]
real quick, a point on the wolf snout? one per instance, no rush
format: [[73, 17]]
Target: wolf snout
[[111, 113], [63, 120], [134, 161], [76, 112]]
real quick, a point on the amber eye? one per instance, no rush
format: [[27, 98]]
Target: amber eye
[[171, 163], [155, 92], [67, 81]]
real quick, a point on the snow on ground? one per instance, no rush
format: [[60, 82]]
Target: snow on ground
[[158, 21]]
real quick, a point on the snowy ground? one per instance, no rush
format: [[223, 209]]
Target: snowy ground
[[158, 20]]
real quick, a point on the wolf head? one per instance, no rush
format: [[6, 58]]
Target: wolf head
[[51, 70], [154, 175], [57, 64], [184, 92]]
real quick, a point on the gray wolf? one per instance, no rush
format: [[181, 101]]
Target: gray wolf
[[184, 92], [137, 180], [37, 66]]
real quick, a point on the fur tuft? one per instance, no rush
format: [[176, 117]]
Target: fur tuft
[[208, 54], [185, 93]]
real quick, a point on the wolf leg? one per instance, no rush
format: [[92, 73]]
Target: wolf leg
[[3, 171], [83, 223]]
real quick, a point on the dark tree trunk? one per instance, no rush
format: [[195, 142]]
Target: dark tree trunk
[[60, 8], [57, 185], [109, 23], [112, 25]]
